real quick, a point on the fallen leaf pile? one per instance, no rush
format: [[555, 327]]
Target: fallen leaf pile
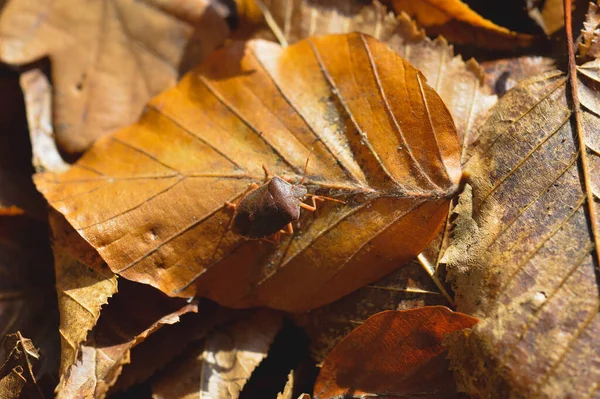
[[435, 208]]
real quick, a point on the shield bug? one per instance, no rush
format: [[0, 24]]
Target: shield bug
[[267, 211]]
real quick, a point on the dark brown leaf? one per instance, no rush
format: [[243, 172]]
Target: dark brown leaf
[[394, 354]]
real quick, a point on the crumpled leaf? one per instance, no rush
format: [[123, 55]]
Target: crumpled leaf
[[531, 273], [287, 392], [83, 283], [27, 295], [18, 195], [459, 24], [589, 46], [108, 57], [156, 351], [220, 366], [130, 316], [204, 142], [17, 378], [459, 83], [37, 92], [394, 354], [550, 16]]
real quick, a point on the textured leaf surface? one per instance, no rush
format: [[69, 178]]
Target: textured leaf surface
[[220, 366], [394, 354], [83, 284], [17, 379], [108, 56], [406, 288], [122, 325], [529, 269], [460, 24], [151, 197], [459, 83]]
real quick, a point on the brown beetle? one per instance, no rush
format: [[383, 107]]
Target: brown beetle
[[269, 210]]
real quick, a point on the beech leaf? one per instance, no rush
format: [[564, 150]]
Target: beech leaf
[[122, 325], [17, 378], [530, 272], [220, 366], [459, 83], [108, 57], [83, 283], [460, 24], [394, 354], [151, 198]]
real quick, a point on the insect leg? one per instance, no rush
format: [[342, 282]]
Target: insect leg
[[231, 205], [289, 229], [313, 199], [268, 174], [309, 207]]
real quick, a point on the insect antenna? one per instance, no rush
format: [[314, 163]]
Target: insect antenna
[[306, 165]]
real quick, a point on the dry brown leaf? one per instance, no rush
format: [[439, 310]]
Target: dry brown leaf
[[459, 84], [530, 273], [394, 354], [131, 315], [27, 295], [156, 351], [406, 288], [220, 366], [38, 99], [288, 388], [108, 57], [17, 192], [504, 74], [83, 283], [459, 24], [548, 15], [590, 42], [204, 142], [17, 378]]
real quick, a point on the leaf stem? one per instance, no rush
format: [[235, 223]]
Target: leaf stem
[[272, 23], [580, 135], [430, 270]]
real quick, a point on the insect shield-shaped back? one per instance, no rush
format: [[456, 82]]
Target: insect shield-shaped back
[[268, 209]]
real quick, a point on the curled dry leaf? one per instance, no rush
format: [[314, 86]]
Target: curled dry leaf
[[27, 295], [530, 274], [108, 57], [381, 140], [590, 42], [220, 366], [17, 378], [288, 389], [460, 24], [38, 99], [394, 353], [83, 284], [130, 316], [160, 348], [17, 192]]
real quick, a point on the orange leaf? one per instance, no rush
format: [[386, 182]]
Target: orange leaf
[[394, 353], [151, 198], [460, 24]]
